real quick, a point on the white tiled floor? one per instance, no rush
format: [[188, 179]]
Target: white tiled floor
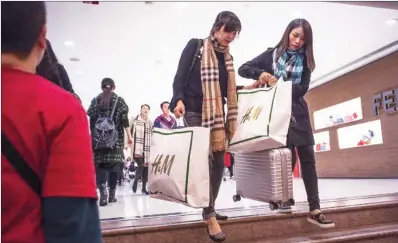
[[131, 205]]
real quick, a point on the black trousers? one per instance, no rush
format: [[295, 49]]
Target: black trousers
[[216, 167], [141, 172], [308, 169], [106, 177]]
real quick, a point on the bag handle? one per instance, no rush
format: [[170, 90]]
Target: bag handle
[[195, 58], [21, 167]]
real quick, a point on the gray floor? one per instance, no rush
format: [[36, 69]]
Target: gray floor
[[131, 205]]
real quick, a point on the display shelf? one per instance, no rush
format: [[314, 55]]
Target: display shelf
[[322, 141], [342, 113], [359, 135]]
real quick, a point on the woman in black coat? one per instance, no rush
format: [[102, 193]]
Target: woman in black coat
[[293, 60], [53, 71]]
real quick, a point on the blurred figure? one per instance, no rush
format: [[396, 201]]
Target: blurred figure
[[141, 129], [165, 121], [52, 70], [108, 160], [47, 172]]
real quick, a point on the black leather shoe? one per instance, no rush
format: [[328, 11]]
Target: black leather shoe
[[221, 217]]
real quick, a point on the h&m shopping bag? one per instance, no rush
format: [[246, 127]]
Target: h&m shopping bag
[[179, 168], [263, 118]]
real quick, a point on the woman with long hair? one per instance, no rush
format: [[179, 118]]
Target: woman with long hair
[[107, 161], [201, 95], [51, 69], [293, 60]]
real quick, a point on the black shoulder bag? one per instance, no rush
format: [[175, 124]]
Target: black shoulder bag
[[20, 165], [173, 102]]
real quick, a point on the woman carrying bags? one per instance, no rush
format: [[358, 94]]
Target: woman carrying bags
[[293, 60], [204, 79]]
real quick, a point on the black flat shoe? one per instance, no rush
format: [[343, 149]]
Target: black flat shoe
[[219, 237], [221, 217]]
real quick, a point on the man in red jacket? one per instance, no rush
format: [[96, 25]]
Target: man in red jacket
[[47, 170]]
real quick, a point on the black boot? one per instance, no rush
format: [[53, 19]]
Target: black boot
[[135, 184], [112, 196], [103, 201], [144, 190]]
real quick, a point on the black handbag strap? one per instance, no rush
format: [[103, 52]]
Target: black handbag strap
[[195, 58], [20, 165]]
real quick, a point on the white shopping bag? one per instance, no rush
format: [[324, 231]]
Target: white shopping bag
[[179, 167], [263, 118]]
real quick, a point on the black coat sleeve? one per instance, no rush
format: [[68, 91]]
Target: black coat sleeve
[[183, 70], [65, 79], [71, 219], [299, 90], [253, 69]]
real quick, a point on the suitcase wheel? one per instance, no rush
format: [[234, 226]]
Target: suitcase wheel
[[291, 202], [236, 198], [273, 206]]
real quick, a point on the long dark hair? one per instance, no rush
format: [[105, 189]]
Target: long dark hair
[[284, 42], [48, 67], [107, 86], [227, 19]]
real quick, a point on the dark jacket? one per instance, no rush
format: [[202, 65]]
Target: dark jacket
[[300, 134], [65, 79], [191, 94]]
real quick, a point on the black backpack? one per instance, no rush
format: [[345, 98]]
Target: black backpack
[[105, 134]]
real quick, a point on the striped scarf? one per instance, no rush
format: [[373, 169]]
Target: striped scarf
[[289, 66], [142, 133], [212, 109]]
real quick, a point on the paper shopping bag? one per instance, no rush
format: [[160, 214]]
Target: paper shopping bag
[[179, 167], [263, 118]]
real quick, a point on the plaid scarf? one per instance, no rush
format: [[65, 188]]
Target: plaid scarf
[[142, 133], [212, 109], [289, 66]]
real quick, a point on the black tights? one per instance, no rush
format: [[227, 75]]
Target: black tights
[[309, 174]]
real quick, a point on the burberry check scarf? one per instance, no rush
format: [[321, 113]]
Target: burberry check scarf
[[212, 110], [289, 66], [142, 133]]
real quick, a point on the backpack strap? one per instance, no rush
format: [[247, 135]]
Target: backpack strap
[[114, 106], [21, 167]]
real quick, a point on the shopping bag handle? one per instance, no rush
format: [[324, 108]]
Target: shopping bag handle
[[184, 121]]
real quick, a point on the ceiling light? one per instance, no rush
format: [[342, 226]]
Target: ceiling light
[[391, 21], [74, 59], [69, 43]]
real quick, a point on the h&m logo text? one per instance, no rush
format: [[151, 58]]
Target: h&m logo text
[[251, 114], [163, 164]]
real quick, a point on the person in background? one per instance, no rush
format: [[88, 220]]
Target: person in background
[[201, 99], [53, 198], [165, 121], [293, 60], [108, 161], [231, 166], [52, 70], [141, 130]]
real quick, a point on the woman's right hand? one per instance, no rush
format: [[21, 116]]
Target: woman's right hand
[[266, 78], [180, 109]]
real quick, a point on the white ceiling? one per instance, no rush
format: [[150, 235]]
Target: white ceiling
[[139, 45]]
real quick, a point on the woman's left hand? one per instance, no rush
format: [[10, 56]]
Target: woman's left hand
[[255, 85]]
